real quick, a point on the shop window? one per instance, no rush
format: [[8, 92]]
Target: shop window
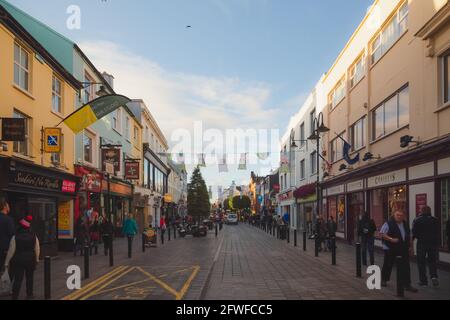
[[336, 209], [445, 209], [22, 147]]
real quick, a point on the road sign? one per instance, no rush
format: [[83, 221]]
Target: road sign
[[52, 140]]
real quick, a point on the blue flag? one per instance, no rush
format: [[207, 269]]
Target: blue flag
[[346, 152]]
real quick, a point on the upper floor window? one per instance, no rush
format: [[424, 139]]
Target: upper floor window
[[302, 134], [391, 114], [88, 147], [357, 70], [89, 88], [117, 120], [337, 94], [446, 74], [57, 158], [21, 67], [358, 133], [302, 169], [313, 162], [127, 128], [22, 147], [336, 149], [56, 95], [390, 33], [312, 116]]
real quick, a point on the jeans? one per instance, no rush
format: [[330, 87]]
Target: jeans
[[389, 261], [2, 261], [368, 246], [18, 271], [426, 253]]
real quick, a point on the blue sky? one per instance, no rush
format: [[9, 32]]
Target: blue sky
[[244, 63]]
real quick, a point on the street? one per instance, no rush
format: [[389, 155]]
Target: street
[[242, 263]]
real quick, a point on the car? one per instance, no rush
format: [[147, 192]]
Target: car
[[232, 218]]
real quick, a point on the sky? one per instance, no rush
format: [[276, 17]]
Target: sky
[[243, 64]]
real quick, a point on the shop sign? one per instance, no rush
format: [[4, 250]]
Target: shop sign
[[355, 186], [117, 188], [13, 129], [68, 186], [168, 198], [52, 140], [387, 178], [285, 196], [42, 182], [65, 221], [421, 201], [132, 170], [111, 155], [335, 190]]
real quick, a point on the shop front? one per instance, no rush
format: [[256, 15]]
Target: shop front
[[306, 207], [336, 208], [286, 204], [46, 194]]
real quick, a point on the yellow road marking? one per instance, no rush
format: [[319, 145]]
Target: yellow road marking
[[186, 286], [161, 283], [93, 293], [75, 295], [124, 286]]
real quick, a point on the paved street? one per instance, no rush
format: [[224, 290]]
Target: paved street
[[242, 263]]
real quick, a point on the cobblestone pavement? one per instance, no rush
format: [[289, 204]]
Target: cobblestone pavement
[[253, 264]]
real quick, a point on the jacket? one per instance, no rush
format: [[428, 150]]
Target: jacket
[[130, 227], [426, 230], [6, 231], [24, 249], [394, 232], [366, 227]]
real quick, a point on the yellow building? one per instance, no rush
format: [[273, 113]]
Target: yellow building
[[387, 94], [35, 87]]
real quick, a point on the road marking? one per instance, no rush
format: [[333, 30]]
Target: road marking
[[161, 283], [77, 294], [121, 274], [186, 286]]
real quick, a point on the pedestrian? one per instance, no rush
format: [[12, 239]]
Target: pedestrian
[[6, 231], [107, 231], [397, 243], [426, 230], [331, 230], [320, 232], [22, 258], [129, 228], [94, 232], [80, 239], [366, 232], [162, 225]]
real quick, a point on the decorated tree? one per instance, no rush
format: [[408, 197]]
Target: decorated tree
[[241, 202], [198, 197]]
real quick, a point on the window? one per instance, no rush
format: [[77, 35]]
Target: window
[[22, 147], [127, 128], [446, 74], [302, 169], [390, 33], [117, 120], [56, 158], [89, 88], [56, 95], [21, 67], [357, 71], [336, 149], [391, 114], [302, 134], [312, 116], [88, 148], [135, 134], [313, 163], [337, 94], [358, 134]]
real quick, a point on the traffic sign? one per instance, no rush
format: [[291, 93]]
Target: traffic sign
[[52, 140]]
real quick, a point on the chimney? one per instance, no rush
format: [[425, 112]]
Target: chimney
[[109, 78]]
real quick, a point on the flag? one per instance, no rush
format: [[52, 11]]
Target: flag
[[346, 152], [223, 164], [94, 111], [263, 155], [243, 162], [284, 163], [201, 160]]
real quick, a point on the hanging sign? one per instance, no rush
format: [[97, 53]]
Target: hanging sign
[[52, 140], [111, 155], [13, 129], [132, 170]]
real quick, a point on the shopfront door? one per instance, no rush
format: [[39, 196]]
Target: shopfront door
[[355, 206], [44, 224]]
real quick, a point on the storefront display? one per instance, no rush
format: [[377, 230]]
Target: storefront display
[[336, 209], [355, 209]]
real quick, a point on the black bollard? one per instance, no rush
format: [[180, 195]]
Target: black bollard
[[400, 284], [358, 260], [162, 236], [316, 246], [111, 251], [333, 251], [130, 244], [278, 232], [47, 279], [217, 231], [169, 234], [86, 262], [295, 237], [288, 234], [174, 232], [143, 242], [96, 249], [304, 240]]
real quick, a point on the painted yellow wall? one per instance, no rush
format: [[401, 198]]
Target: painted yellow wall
[[36, 104]]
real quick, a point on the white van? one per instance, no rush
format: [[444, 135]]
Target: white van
[[232, 218]]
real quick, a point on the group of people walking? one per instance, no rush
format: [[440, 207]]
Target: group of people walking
[[325, 231]]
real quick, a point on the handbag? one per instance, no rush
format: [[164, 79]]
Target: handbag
[[5, 283]]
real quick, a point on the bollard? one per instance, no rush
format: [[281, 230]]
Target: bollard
[[86, 262], [130, 244], [162, 236], [278, 232], [143, 242], [358, 260], [400, 284], [169, 234], [288, 234], [111, 251], [295, 237], [174, 232], [316, 246], [304, 240], [216, 230], [333, 251], [47, 279], [96, 249]]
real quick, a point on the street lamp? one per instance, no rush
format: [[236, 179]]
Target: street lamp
[[317, 129]]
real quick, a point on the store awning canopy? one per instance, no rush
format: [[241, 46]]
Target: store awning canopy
[[305, 191]]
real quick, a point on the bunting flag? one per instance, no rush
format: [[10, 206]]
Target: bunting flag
[[243, 162], [201, 160], [223, 167], [263, 155], [284, 163], [94, 111], [346, 152]]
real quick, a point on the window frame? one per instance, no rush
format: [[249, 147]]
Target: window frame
[[446, 77], [58, 95], [302, 169], [117, 120], [89, 89], [58, 158], [18, 145], [352, 72], [92, 137], [313, 162], [363, 133], [18, 64], [332, 95]]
